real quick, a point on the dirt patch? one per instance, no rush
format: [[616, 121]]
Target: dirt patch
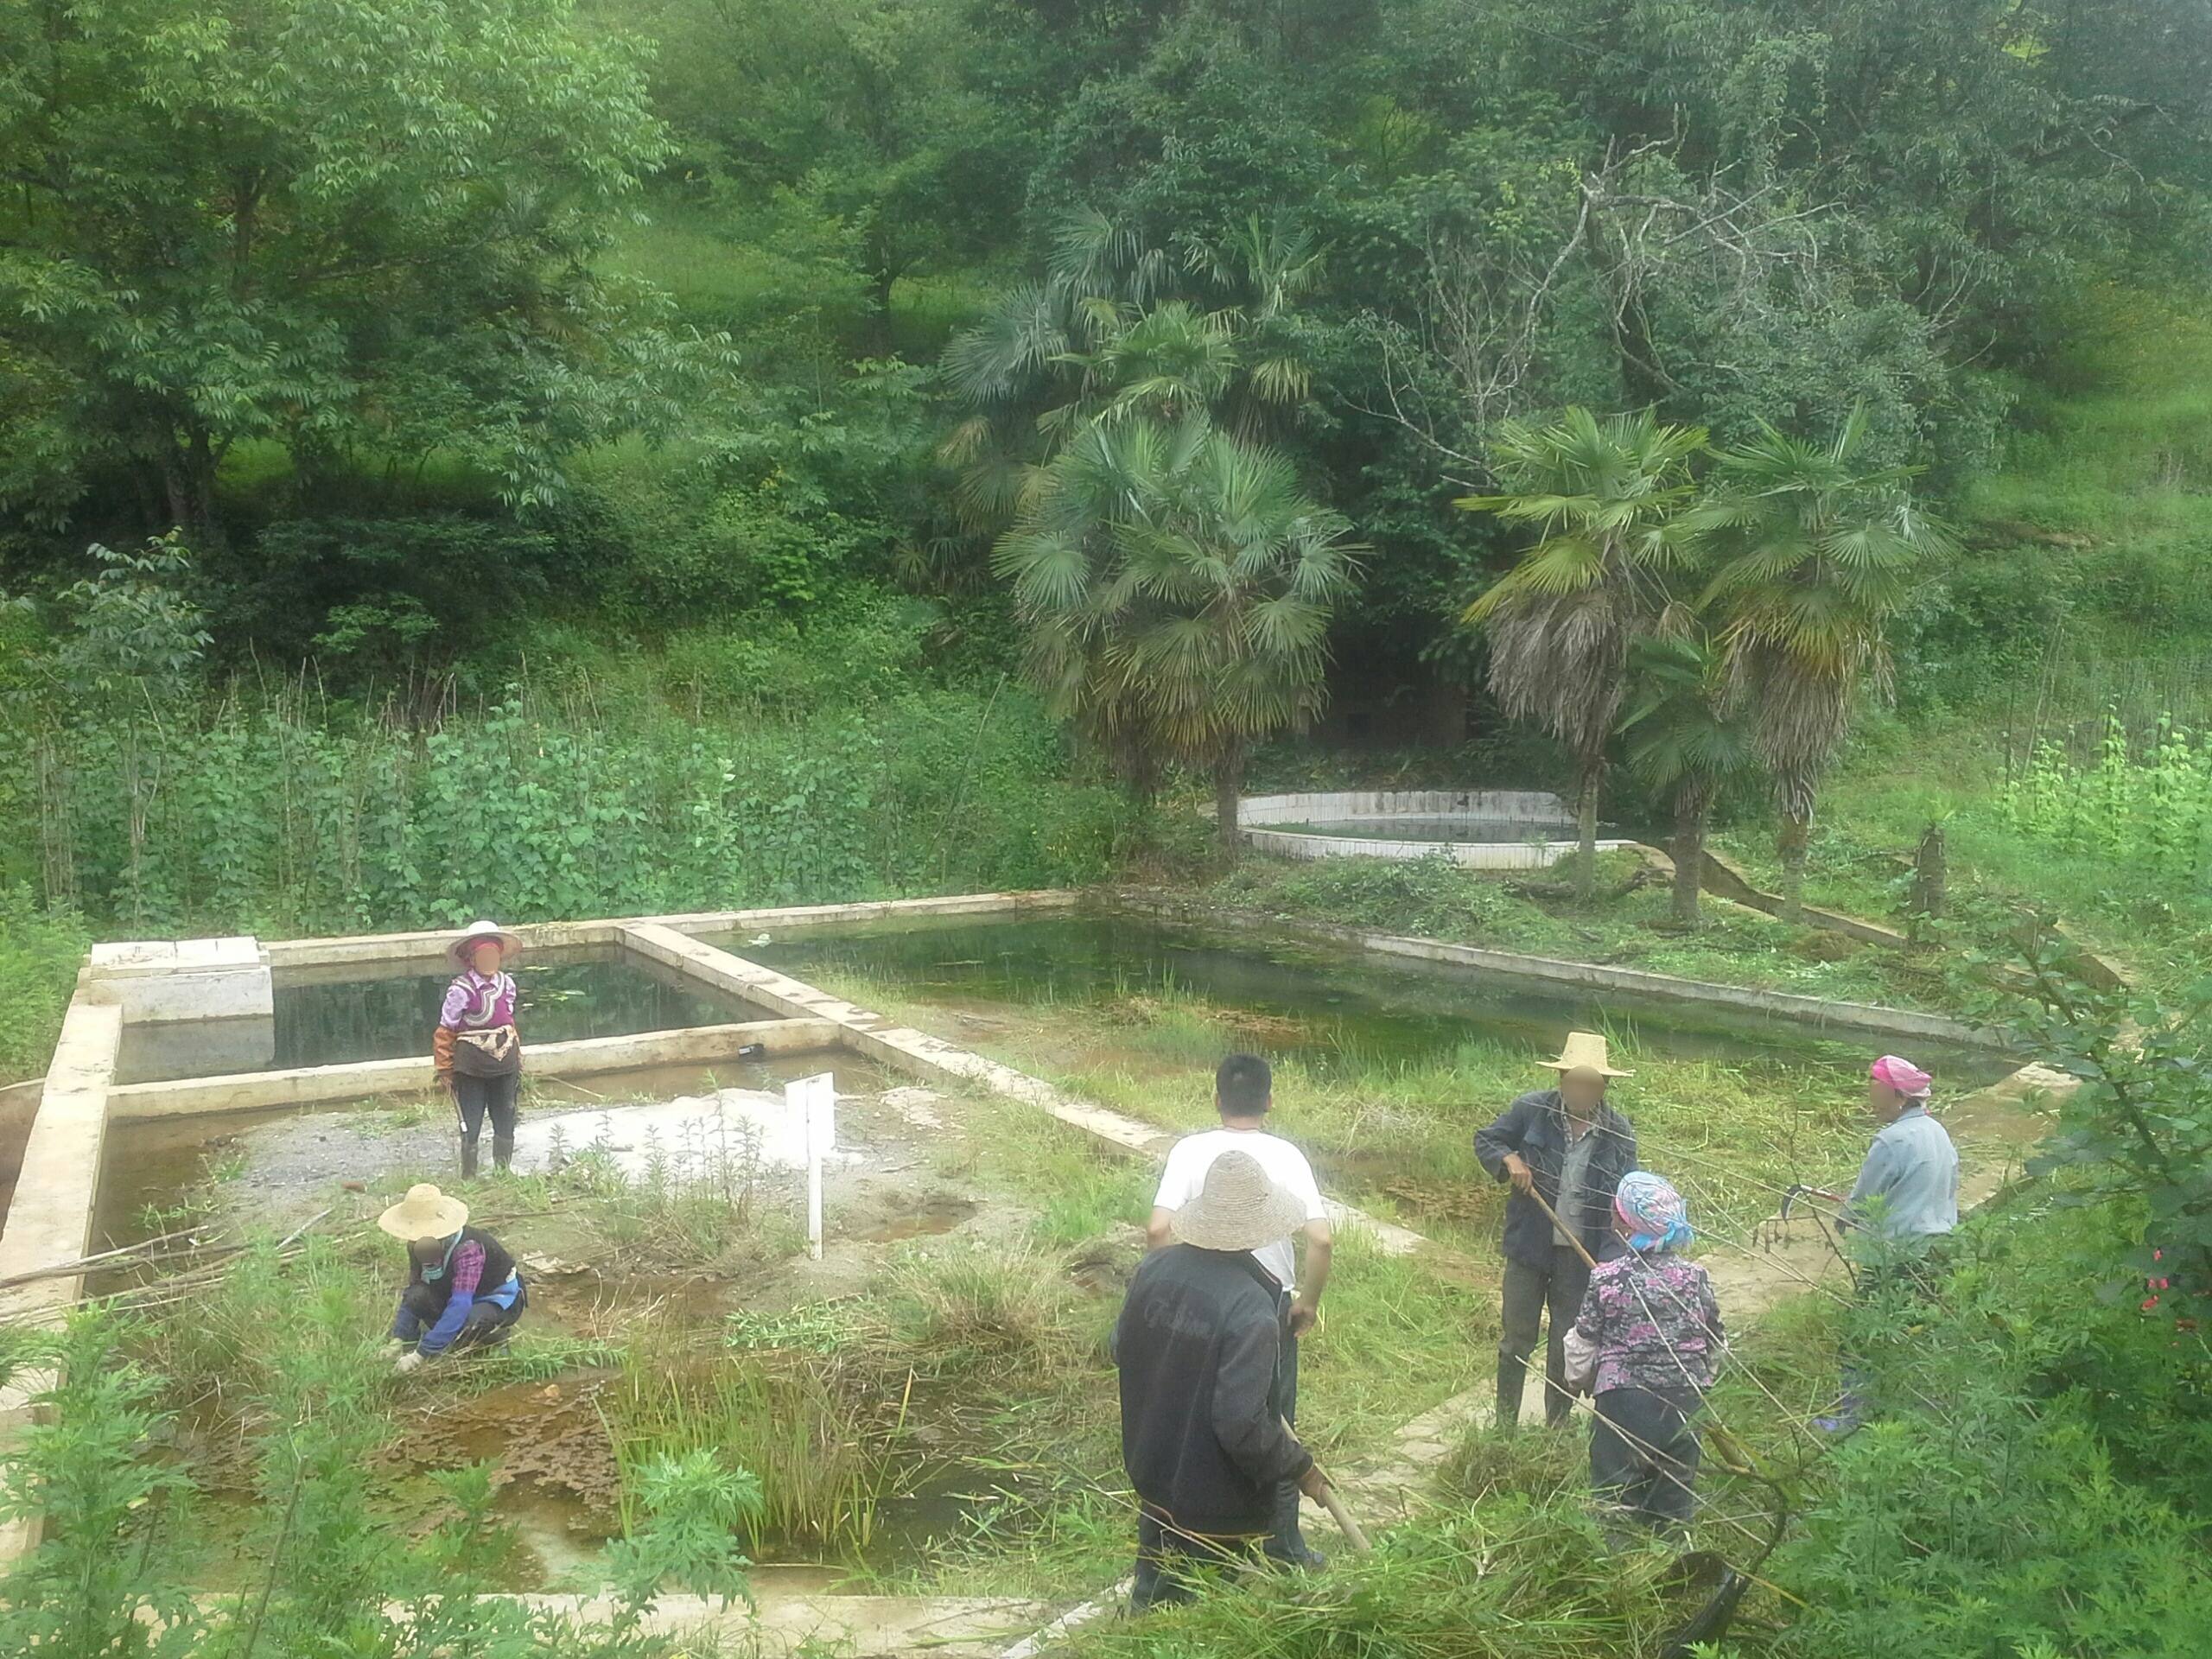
[[549, 1433], [938, 1215]]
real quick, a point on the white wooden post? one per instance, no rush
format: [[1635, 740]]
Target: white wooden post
[[813, 1101]]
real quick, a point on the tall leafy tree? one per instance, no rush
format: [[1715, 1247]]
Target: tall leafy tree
[[876, 113], [1685, 741], [1177, 585], [1611, 501], [360, 232], [1816, 550]]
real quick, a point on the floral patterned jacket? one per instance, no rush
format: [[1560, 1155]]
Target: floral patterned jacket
[[1648, 1321]]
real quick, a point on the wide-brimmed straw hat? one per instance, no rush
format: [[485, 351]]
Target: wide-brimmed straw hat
[[1238, 1208], [475, 934], [425, 1212], [1585, 1051]]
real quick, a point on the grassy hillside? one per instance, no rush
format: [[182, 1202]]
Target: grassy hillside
[[2083, 580]]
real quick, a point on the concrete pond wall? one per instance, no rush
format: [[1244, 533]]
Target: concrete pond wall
[[1549, 826]]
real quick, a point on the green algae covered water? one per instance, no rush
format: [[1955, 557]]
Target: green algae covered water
[[1330, 1007]]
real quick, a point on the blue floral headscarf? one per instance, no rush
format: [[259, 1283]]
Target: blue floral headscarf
[[1654, 1211]]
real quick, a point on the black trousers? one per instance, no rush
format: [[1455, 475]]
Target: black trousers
[[1644, 1456], [1288, 1542], [1530, 1291], [476, 1098], [1170, 1562], [420, 1307], [1918, 1276]]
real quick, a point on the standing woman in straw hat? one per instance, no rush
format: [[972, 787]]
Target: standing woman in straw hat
[[463, 1288], [475, 1048], [1567, 1147]]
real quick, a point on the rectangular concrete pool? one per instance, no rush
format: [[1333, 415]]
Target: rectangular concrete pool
[[338, 1015]]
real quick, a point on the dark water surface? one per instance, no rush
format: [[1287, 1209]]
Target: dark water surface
[[1320, 1004], [339, 1015]]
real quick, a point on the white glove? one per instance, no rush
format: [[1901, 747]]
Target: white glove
[[408, 1361]]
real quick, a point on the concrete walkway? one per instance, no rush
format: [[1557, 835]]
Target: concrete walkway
[[853, 1627]]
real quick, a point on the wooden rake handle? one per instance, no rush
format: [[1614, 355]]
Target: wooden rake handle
[[1573, 1234], [1337, 1513], [1342, 1517]]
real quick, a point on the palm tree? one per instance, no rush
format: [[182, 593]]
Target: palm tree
[[1817, 549], [1176, 584], [1612, 503], [1117, 327], [1685, 741]]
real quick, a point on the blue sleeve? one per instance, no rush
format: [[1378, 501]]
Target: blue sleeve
[[439, 1337]]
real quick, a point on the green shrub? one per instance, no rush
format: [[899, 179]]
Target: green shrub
[[81, 1464], [2032, 1478], [40, 950]]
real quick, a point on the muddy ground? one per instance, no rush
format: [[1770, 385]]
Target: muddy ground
[[555, 1470]]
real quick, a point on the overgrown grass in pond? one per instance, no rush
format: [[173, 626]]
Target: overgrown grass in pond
[[1397, 1136], [810, 1431], [992, 1307]]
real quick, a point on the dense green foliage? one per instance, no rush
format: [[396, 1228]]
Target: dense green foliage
[[359, 233], [548, 457]]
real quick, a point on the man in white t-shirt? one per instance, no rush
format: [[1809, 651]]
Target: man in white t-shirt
[[1243, 1090]]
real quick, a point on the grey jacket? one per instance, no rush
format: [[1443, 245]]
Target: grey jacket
[[1908, 1186]]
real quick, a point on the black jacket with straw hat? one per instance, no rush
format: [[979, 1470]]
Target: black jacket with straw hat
[[1197, 1346], [1536, 1126]]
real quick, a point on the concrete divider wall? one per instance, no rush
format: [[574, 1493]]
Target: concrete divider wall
[[50, 1219], [430, 946], [1813, 1010], [251, 1091]]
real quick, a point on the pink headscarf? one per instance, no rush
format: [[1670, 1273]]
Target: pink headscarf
[[1900, 1075]]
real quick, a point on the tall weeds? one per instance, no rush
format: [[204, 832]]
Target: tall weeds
[[812, 1436], [2139, 800], [279, 810]]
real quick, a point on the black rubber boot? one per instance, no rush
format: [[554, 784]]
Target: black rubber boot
[[1512, 1377], [468, 1157], [503, 1151], [1287, 1544]]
